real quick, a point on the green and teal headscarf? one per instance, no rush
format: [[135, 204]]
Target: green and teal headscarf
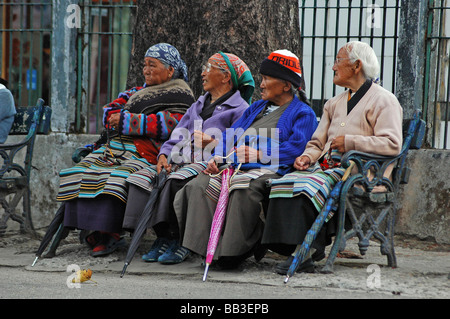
[[241, 77]]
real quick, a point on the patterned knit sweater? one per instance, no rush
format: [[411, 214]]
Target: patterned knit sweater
[[150, 129]]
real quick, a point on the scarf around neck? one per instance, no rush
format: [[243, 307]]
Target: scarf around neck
[[173, 96]]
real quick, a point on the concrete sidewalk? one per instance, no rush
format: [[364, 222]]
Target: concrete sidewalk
[[423, 268]]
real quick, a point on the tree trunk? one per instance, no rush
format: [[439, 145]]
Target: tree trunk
[[251, 29]]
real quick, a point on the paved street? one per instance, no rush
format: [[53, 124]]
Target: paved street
[[423, 273]]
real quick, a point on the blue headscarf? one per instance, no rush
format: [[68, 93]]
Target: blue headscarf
[[169, 55]]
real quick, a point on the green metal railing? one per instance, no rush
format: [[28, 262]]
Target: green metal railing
[[104, 46], [437, 74], [327, 25], [25, 44]]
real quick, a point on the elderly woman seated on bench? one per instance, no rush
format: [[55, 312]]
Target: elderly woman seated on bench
[[367, 118]]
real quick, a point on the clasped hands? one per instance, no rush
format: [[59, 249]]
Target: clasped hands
[[303, 162], [201, 140], [245, 154], [114, 120]]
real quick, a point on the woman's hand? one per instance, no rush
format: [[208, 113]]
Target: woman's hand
[[246, 154], [338, 144], [302, 162], [212, 167], [201, 140], [162, 163], [114, 120]]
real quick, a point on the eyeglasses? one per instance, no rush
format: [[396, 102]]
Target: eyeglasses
[[339, 60], [207, 67]]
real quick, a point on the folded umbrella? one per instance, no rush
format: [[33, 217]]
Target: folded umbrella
[[218, 219], [144, 218], [330, 206], [55, 227]]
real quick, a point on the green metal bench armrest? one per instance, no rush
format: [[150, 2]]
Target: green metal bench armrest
[[23, 125]]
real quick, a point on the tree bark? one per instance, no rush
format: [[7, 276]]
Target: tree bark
[[251, 29]]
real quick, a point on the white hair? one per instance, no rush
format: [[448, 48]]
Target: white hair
[[362, 51], [176, 73]]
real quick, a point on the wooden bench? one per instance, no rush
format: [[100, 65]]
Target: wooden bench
[[15, 170], [372, 214]]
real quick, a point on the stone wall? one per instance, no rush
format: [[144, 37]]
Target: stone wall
[[424, 208]]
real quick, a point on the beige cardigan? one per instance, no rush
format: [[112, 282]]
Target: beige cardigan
[[373, 126]]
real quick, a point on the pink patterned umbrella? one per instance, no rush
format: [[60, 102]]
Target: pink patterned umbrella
[[219, 217]]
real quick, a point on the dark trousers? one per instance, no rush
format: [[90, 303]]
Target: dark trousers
[[287, 222]]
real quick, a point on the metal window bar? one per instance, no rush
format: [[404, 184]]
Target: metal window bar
[[327, 25], [104, 47], [26, 28], [437, 73]]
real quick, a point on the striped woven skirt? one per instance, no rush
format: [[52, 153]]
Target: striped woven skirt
[[240, 180], [104, 171], [95, 190], [314, 182], [145, 178]]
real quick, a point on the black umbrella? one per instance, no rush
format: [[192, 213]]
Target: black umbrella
[[55, 230], [144, 218]]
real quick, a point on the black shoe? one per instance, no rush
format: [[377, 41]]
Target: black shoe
[[259, 252], [306, 266], [90, 238], [229, 262], [108, 245], [318, 255]]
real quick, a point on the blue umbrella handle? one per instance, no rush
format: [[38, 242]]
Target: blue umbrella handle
[[302, 250]]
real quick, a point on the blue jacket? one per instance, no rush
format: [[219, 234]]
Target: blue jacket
[[296, 127]]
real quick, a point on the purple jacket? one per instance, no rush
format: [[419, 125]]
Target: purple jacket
[[222, 118]]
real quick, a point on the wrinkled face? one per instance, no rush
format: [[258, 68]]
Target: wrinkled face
[[271, 88], [343, 69], [155, 72], [212, 76]]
